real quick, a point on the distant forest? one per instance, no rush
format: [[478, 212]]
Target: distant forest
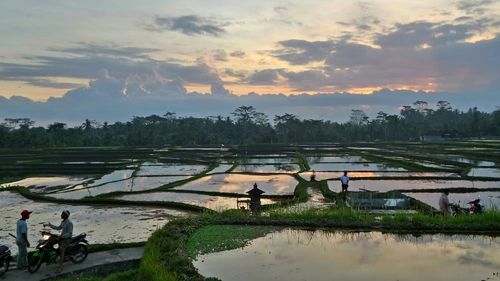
[[248, 126]]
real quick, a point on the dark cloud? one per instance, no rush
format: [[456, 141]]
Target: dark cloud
[[237, 74], [189, 25], [418, 54], [417, 33], [110, 99], [298, 52], [237, 54], [219, 55], [310, 80], [87, 60], [111, 50], [265, 77], [473, 6]]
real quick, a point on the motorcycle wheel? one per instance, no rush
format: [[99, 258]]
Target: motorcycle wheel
[[4, 266], [79, 253], [34, 263]]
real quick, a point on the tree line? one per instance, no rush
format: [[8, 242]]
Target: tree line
[[248, 126]]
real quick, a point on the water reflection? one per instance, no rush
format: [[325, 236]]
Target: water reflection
[[44, 184], [324, 255], [354, 167], [387, 185], [217, 203], [277, 168], [238, 183], [335, 175], [150, 168], [484, 172]]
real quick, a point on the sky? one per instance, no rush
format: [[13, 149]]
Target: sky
[[111, 60]]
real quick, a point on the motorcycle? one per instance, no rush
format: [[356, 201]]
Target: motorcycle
[[48, 250], [5, 259], [474, 208]]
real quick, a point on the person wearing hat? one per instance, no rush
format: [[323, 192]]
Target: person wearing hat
[[22, 240], [66, 228]]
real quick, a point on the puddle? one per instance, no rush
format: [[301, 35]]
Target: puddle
[[335, 175], [102, 224], [489, 200], [484, 172], [283, 168], [44, 184], [237, 183], [148, 169], [297, 255], [217, 203], [354, 167], [387, 185], [132, 184]]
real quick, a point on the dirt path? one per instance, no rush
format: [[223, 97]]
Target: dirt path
[[93, 260]]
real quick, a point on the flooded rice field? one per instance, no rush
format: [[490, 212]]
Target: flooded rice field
[[294, 255], [44, 184], [239, 183], [216, 203], [279, 168], [146, 173], [128, 185], [388, 185], [485, 172], [148, 169], [378, 175], [102, 224], [335, 159], [355, 167]]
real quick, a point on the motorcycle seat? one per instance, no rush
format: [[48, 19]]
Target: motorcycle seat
[[3, 248], [78, 237]]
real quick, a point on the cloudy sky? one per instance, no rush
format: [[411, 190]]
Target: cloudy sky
[[111, 60]]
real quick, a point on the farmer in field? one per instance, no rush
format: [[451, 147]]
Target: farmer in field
[[22, 240], [344, 181], [444, 203]]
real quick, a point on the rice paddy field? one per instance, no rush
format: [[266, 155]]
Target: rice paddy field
[[147, 187]]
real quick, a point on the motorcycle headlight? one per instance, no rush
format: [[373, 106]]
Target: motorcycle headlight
[[46, 237]]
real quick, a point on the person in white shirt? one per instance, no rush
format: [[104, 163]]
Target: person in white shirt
[[344, 180]]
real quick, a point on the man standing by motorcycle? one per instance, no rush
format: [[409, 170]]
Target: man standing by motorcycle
[[444, 203], [22, 240], [66, 228]]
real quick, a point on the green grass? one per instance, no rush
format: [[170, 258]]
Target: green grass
[[216, 238]]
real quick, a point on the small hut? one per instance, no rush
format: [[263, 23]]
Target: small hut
[[255, 194]]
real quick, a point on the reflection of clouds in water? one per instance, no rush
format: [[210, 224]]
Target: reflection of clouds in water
[[319, 255], [229, 187], [240, 183], [477, 257]]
